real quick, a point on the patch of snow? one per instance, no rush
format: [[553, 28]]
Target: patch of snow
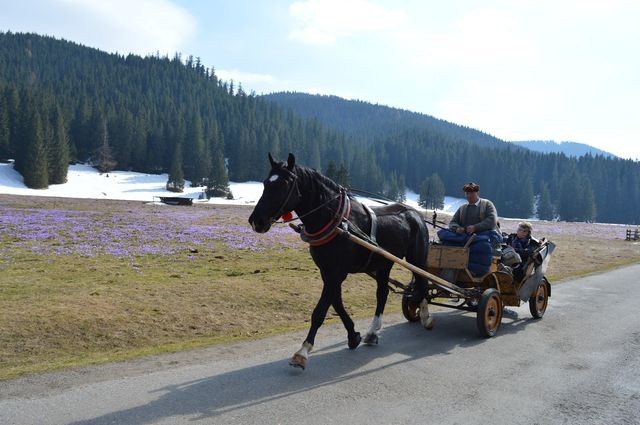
[[84, 181]]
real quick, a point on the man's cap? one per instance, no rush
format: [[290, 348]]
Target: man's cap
[[471, 187]]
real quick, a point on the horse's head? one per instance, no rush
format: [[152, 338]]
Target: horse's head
[[280, 194]]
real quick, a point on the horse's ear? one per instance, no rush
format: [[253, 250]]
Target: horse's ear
[[291, 161], [271, 160]]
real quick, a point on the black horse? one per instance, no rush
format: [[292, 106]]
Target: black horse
[[322, 206]]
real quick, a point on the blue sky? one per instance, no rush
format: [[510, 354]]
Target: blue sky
[[519, 70]]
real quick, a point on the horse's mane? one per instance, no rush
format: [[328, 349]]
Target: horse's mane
[[315, 178]]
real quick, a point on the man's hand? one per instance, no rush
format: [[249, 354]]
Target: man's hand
[[460, 230], [471, 229]]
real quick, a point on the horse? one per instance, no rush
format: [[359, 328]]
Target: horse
[[322, 206]]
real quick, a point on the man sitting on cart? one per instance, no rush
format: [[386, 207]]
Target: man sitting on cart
[[478, 215]]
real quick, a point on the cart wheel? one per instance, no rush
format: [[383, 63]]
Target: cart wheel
[[489, 312], [410, 310], [539, 300]]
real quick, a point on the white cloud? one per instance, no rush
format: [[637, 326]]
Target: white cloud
[[322, 22], [141, 26]]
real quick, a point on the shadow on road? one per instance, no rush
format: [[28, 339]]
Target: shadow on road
[[263, 383]]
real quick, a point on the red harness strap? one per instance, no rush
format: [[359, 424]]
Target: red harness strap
[[328, 233]]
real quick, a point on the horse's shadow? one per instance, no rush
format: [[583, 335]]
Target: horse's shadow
[[239, 389]]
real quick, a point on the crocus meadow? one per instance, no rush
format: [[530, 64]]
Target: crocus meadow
[[142, 230]]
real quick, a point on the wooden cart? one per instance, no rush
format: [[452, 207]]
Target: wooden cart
[[451, 284]]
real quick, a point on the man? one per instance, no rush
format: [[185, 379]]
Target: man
[[478, 215]]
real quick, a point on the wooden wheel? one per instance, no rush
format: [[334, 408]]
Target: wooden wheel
[[410, 310], [539, 300], [489, 313]]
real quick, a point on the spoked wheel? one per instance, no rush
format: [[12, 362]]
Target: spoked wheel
[[539, 300], [489, 313], [410, 310]]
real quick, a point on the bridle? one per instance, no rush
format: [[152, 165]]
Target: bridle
[[283, 208]]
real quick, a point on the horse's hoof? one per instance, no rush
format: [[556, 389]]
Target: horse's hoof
[[354, 341], [428, 323], [298, 361], [371, 339]]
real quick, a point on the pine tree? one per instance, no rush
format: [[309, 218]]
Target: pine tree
[[588, 204], [331, 171], [545, 207], [34, 169], [342, 176], [105, 161], [432, 193], [58, 151], [218, 181], [176, 175], [5, 141]]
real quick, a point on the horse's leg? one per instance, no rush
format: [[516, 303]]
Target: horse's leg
[[382, 293], [329, 290], [353, 337], [417, 256], [425, 317]]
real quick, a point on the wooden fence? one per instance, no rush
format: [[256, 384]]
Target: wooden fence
[[633, 235]]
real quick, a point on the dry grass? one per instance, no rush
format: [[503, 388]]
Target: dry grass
[[64, 302]]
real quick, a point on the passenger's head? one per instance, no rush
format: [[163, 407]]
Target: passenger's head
[[524, 229], [472, 192]]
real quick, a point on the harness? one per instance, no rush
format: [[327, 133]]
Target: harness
[[328, 233], [372, 236]]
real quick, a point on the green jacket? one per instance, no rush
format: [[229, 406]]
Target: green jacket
[[483, 217]]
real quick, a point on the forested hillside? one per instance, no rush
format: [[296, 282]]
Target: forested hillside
[[61, 102], [567, 148], [413, 147], [366, 121]]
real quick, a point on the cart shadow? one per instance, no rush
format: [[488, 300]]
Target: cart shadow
[[264, 383]]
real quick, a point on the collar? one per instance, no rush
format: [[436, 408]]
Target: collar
[[328, 233], [476, 203]]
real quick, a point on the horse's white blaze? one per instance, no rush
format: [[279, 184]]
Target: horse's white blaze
[[273, 177], [376, 325]]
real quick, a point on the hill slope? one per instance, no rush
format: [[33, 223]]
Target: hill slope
[[366, 121], [568, 148]]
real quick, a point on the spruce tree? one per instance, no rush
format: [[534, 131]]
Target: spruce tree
[[105, 161], [176, 175], [58, 151], [545, 207], [34, 168], [5, 141], [432, 193], [218, 181]]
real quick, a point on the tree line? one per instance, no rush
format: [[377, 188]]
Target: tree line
[[153, 114], [61, 102], [429, 154]]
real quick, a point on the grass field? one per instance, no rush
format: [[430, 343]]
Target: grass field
[[88, 281]]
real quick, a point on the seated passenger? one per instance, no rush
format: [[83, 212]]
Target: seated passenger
[[523, 244]]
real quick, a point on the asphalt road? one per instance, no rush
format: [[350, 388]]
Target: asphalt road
[[580, 364]]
